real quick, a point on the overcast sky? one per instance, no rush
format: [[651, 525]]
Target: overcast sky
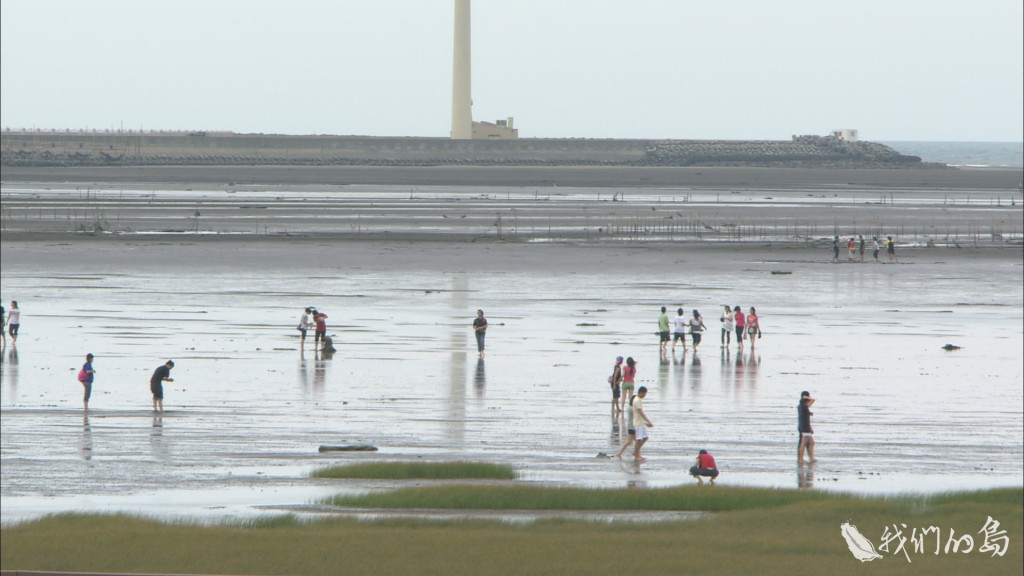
[[729, 69]]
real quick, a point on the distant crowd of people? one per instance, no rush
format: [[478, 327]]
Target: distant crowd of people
[[623, 381], [859, 246], [746, 327]]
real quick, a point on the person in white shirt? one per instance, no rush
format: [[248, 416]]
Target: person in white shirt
[[304, 324], [679, 329], [13, 321], [640, 423], [727, 326]]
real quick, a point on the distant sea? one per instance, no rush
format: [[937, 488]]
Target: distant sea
[[964, 153]]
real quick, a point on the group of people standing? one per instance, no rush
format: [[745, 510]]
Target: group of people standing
[[859, 246], [733, 320], [623, 380], [313, 318], [162, 374]]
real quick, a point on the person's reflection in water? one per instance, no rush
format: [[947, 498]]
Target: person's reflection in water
[[319, 374], [303, 371], [616, 438], [480, 379], [695, 372], [663, 366], [12, 370], [679, 372], [753, 361], [725, 359], [85, 445], [156, 437], [740, 367], [805, 477]]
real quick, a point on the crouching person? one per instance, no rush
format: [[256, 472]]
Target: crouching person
[[704, 466]]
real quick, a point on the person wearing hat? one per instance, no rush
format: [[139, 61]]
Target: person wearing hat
[[615, 380], [85, 376], [156, 384]]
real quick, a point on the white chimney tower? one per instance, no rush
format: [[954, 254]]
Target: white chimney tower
[[462, 100]]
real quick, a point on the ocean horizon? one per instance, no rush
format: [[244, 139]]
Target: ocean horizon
[[980, 154]]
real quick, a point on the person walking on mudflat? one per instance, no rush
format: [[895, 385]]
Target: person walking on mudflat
[[727, 326], [696, 328], [753, 327], [13, 321], [629, 378], [630, 428], [741, 326], [890, 247], [850, 248], [860, 240], [480, 330], [835, 249], [640, 423], [616, 383], [85, 376], [803, 411], [156, 384], [679, 330], [875, 238], [663, 329], [3, 323]]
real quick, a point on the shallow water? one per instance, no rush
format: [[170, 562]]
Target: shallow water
[[248, 409]]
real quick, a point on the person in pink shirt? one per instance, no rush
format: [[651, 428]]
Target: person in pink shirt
[[741, 324], [753, 327]]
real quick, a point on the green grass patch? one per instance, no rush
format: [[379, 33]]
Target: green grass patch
[[419, 471], [782, 532]]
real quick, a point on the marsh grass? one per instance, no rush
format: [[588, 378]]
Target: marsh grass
[[419, 471], [793, 533]]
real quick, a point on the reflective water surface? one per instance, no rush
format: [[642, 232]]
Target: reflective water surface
[[249, 406]]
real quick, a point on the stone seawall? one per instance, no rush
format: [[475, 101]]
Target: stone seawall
[[65, 149]]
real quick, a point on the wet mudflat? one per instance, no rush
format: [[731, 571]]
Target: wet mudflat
[[249, 407]]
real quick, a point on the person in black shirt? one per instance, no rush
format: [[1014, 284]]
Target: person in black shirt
[[156, 384], [480, 329], [804, 414]]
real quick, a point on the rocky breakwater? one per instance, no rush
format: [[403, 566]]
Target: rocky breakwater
[[816, 151], [38, 149]]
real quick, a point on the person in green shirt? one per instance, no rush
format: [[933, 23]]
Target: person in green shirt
[[663, 333]]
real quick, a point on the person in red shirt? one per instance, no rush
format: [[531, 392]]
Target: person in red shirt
[[321, 328], [704, 466]]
